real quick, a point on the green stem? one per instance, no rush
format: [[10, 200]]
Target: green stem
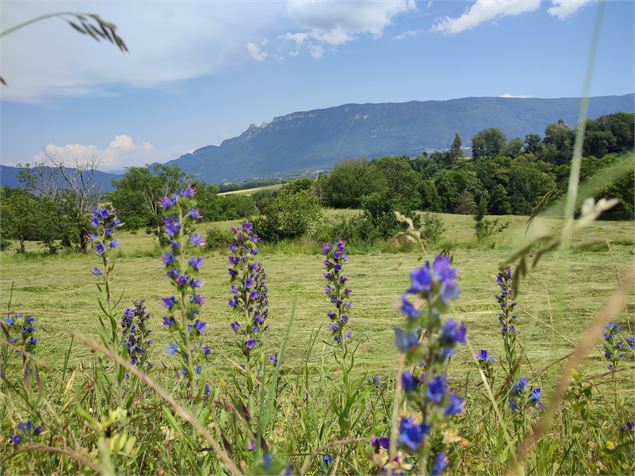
[[183, 308], [574, 176], [35, 20]]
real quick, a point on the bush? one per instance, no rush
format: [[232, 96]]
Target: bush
[[233, 207], [217, 238], [431, 229], [379, 216], [289, 216], [351, 229]]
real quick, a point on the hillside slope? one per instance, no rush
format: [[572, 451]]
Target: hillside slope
[[311, 140]]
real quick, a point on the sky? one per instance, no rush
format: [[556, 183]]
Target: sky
[[199, 72]]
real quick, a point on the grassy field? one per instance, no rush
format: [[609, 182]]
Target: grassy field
[[251, 191], [60, 291]]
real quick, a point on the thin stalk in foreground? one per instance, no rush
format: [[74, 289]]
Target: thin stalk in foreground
[[181, 411], [584, 346]]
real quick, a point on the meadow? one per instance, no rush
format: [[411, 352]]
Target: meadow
[[60, 290], [556, 302]]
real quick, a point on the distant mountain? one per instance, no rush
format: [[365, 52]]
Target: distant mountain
[[102, 180], [312, 140]]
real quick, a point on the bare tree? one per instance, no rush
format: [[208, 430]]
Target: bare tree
[[80, 183]]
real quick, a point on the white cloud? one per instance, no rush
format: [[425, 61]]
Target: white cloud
[[255, 52], [316, 51], [517, 96], [564, 8], [335, 23], [407, 34], [121, 152], [485, 10], [167, 41]]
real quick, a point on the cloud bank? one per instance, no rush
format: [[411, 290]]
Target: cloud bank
[[121, 152], [482, 11]]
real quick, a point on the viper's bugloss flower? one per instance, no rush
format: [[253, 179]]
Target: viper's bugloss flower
[[196, 240], [436, 280], [519, 386], [250, 343], [506, 316], [412, 434], [440, 463], [196, 262], [172, 348], [535, 395], [455, 405], [428, 342], [180, 214], [97, 272], [327, 459], [338, 294], [614, 344], [375, 380], [406, 341], [105, 221], [168, 302], [483, 356], [27, 429], [24, 426], [408, 381], [408, 308], [21, 332], [198, 327], [250, 295], [135, 333], [437, 389], [378, 442], [522, 398]]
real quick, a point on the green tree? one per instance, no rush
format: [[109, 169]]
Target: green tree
[[527, 185], [513, 148], [25, 217], [456, 151], [430, 200], [289, 216], [533, 144], [401, 181], [488, 143], [557, 146], [138, 193], [348, 182]]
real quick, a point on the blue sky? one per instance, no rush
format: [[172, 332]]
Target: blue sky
[[200, 72]]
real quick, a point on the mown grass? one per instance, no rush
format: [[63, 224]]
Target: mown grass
[[60, 291], [251, 191]]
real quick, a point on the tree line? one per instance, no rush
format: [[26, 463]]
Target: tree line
[[501, 177]]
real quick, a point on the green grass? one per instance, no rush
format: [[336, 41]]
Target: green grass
[[565, 291], [61, 292], [251, 191]]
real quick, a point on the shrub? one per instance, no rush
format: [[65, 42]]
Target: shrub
[[290, 215], [379, 215], [432, 228], [217, 238]]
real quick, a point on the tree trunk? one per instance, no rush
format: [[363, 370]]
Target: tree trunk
[[22, 245], [83, 239]]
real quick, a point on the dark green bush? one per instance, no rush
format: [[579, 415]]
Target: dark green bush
[[217, 238], [290, 215]]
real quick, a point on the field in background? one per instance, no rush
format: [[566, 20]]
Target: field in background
[[60, 291], [251, 191]]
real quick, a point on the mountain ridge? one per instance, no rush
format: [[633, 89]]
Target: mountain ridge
[[315, 139]]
